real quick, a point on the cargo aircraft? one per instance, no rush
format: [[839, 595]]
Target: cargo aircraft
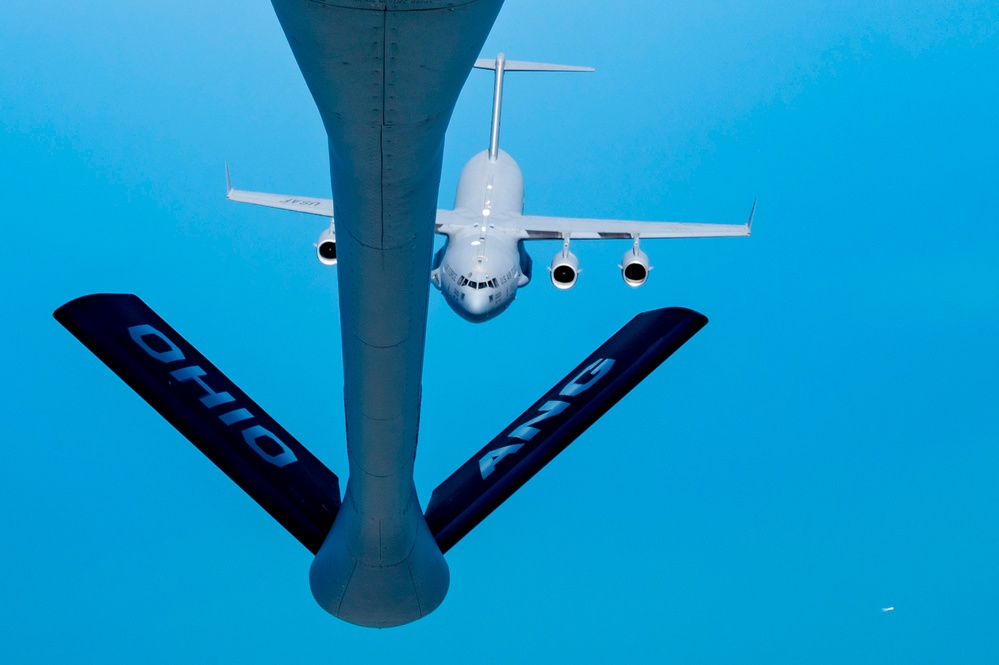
[[483, 261], [385, 75]]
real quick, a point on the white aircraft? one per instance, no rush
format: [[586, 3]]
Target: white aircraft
[[484, 262]]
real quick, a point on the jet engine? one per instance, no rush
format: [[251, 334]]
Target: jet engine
[[564, 270], [635, 267], [326, 247]]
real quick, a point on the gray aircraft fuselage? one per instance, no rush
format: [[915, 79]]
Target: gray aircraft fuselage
[[385, 77], [481, 267]]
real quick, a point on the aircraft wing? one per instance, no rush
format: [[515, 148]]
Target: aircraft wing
[[447, 220], [307, 204], [532, 227]]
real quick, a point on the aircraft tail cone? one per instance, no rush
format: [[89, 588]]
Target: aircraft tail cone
[[382, 590]]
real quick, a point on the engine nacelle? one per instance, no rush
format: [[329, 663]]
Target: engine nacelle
[[326, 247], [564, 270], [635, 267]]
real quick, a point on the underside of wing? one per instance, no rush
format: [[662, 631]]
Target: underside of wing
[[313, 206], [533, 227], [307, 204]]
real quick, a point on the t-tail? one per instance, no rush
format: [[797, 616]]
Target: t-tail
[[502, 65]]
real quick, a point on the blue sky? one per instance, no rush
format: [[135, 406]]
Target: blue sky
[[824, 448]]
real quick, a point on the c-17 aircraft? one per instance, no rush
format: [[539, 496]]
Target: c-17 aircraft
[[483, 261], [385, 76]]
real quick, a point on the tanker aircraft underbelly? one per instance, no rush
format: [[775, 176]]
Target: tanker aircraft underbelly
[[385, 79]]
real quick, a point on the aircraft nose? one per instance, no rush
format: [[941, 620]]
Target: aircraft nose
[[479, 307], [477, 303]]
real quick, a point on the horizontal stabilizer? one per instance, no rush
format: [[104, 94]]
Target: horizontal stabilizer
[[501, 65], [210, 410], [494, 473], [522, 66]]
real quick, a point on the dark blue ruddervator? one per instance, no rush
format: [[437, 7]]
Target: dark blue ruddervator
[[296, 488]]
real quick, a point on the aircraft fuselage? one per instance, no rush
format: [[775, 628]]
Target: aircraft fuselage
[[385, 77], [480, 268]]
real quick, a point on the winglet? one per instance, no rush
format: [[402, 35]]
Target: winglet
[[749, 222], [228, 182]]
